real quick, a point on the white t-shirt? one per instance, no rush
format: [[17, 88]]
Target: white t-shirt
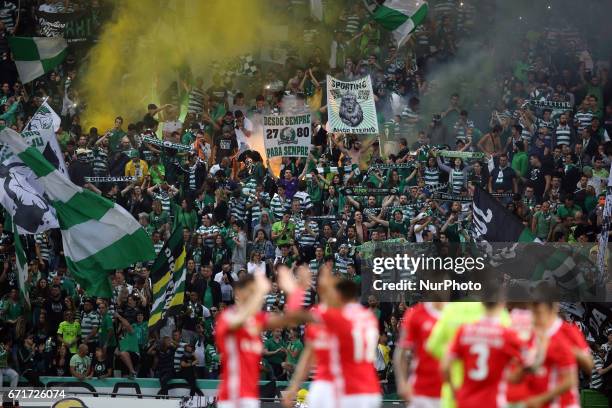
[[241, 137], [419, 235], [253, 267]]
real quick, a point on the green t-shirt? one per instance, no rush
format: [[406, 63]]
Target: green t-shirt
[[294, 346], [185, 219], [14, 310], [207, 298], [129, 342], [520, 163], [107, 332], [187, 138], [401, 227], [543, 222], [157, 220], [68, 286], [81, 364], [272, 345], [115, 139], [157, 171], [142, 333], [70, 332], [314, 191], [564, 212]]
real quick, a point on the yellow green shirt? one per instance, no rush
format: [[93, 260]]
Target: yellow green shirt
[[70, 331]]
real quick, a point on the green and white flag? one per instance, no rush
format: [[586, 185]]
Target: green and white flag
[[98, 235], [401, 17], [168, 276], [36, 56], [22, 266], [351, 107]]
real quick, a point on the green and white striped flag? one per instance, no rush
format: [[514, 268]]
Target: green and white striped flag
[[35, 56], [22, 266], [168, 275], [98, 235], [401, 17]]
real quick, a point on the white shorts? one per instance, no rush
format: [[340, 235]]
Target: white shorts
[[321, 394], [424, 402], [242, 403], [361, 401]]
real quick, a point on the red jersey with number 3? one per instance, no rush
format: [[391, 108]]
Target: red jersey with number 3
[[353, 333], [416, 327], [486, 349], [240, 351], [319, 338]]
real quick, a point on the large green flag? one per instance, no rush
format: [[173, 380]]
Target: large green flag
[[401, 17], [98, 235], [168, 276]]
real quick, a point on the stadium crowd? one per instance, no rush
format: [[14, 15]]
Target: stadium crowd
[[543, 124]]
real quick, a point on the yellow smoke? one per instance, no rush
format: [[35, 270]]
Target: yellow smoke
[[141, 49]]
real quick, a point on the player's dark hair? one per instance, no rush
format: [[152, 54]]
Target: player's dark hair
[[347, 289], [245, 281]]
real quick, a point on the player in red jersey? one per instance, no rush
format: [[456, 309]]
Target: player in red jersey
[[354, 340], [552, 382], [420, 389], [343, 338], [521, 321], [486, 348], [321, 392], [238, 336]]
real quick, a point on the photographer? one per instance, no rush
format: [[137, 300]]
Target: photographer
[[187, 370], [164, 350], [193, 313]]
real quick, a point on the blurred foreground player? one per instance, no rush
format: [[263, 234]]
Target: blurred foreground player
[[554, 382], [417, 372], [343, 340], [315, 356], [238, 335], [486, 348], [353, 333]]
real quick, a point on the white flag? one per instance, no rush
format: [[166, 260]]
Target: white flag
[[20, 192]]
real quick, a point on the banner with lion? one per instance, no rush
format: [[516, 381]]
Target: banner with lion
[[351, 107]]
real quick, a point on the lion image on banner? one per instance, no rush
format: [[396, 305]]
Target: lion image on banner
[[350, 111]]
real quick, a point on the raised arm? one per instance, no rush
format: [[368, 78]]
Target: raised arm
[[442, 166], [252, 305]]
